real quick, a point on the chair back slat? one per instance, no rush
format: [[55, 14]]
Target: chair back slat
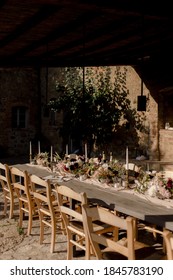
[[72, 213], [70, 193]]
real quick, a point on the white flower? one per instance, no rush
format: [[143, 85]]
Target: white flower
[[137, 183], [152, 190], [105, 165], [165, 193], [80, 162], [67, 165]]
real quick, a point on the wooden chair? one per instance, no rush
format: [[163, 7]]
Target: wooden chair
[[73, 220], [49, 214], [124, 248], [8, 190], [21, 184], [168, 240]]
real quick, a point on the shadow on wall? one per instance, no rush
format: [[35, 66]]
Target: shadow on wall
[[14, 159], [3, 151]]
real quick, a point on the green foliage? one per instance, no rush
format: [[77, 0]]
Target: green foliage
[[20, 230], [96, 110]]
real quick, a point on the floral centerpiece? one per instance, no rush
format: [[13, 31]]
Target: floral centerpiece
[[155, 185], [104, 174], [56, 157], [42, 159]]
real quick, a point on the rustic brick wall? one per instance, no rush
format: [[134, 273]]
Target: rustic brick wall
[[28, 87], [165, 103], [50, 129], [134, 86], [149, 140], [18, 87]]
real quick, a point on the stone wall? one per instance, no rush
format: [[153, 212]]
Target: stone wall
[[166, 144], [18, 87], [34, 88], [134, 87], [148, 141], [51, 121]]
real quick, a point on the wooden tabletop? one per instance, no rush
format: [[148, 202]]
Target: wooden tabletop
[[126, 203]]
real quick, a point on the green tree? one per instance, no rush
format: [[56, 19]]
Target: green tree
[[96, 109]]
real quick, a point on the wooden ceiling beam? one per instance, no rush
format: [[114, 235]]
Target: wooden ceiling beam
[[58, 32], [31, 22]]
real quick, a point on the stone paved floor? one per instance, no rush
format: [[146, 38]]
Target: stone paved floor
[[15, 245]]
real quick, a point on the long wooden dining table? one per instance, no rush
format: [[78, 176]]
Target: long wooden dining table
[[124, 202]]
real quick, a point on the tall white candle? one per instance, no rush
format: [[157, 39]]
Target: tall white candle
[[39, 147], [127, 158], [103, 156], [111, 157], [86, 153], [30, 148], [51, 153], [71, 145], [66, 149]]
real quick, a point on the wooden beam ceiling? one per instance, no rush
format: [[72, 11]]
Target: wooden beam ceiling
[[74, 33]]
